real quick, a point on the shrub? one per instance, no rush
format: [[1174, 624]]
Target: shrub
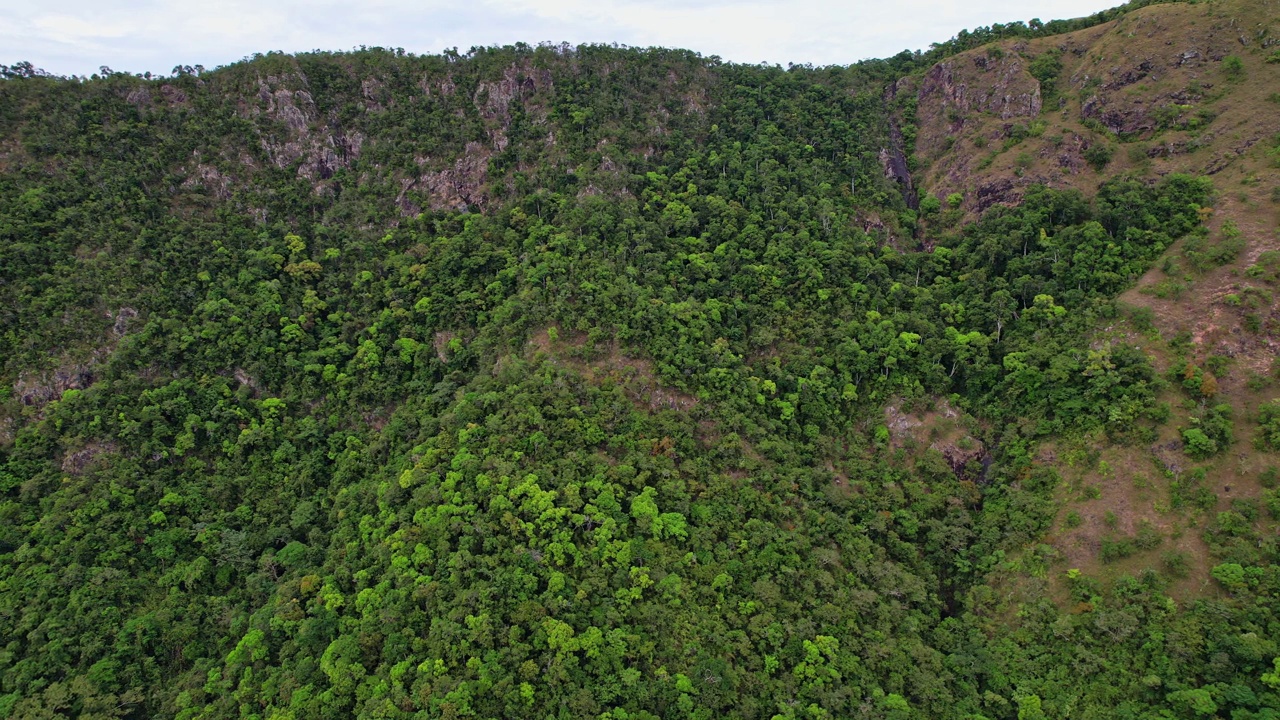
[[1233, 66], [1116, 549], [1231, 575], [1269, 425], [1046, 68], [1271, 500], [1147, 537], [1217, 364], [1246, 508], [1098, 155], [1197, 444], [1211, 432], [1175, 563], [1143, 319]]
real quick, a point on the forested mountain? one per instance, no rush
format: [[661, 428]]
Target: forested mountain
[[600, 382]]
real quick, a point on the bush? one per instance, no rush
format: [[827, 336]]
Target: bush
[[1046, 68], [1204, 498], [1116, 549], [1198, 445], [1231, 575], [1147, 537], [1175, 563], [1218, 364], [1229, 246], [1143, 319], [1271, 500], [1233, 66], [1098, 155], [1269, 425], [1213, 425], [1246, 508]]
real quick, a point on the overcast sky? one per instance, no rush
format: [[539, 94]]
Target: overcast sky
[[77, 36]]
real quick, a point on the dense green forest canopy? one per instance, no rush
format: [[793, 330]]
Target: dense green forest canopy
[[551, 382]]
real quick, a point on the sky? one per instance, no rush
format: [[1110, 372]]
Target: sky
[[76, 37]]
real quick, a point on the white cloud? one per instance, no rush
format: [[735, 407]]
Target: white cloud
[[80, 35]]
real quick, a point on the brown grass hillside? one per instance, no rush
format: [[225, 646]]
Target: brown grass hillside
[[1186, 88]]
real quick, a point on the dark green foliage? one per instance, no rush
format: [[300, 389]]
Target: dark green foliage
[[1046, 68], [1143, 319], [1204, 253], [1099, 155], [1116, 549], [1233, 67], [1174, 563], [1210, 432], [1271, 500], [1269, 425], [550, 383]]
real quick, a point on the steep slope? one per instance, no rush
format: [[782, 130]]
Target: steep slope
[[1186, 88], [1167, 88], [589, 382]]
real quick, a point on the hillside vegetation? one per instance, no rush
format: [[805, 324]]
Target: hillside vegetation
[[1188, 88], [596, 382]]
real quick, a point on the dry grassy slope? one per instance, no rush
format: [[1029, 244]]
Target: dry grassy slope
[[1156, 88], [1131, 76]]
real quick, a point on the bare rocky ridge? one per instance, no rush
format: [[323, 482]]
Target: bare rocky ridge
[[450, 172], [322, 149], [1153, 79], [1004, 89]]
